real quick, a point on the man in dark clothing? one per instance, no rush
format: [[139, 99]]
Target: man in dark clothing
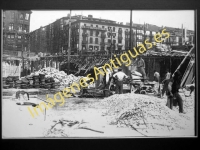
[[175, 92], [165, 83]]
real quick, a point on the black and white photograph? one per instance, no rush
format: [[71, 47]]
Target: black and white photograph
[[98, 73]]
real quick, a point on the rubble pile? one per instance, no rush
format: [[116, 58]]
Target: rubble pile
[[140, 112], [10, 81], [59, 76], [44, 78]]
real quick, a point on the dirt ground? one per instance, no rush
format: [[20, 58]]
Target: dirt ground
[[87, 116]]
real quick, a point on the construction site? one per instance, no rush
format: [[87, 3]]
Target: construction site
[[97, 111], [135, 92]]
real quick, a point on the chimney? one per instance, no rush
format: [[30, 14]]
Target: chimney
[[90, 16]]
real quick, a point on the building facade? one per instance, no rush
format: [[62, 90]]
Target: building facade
[[16, 25], [90, 34]]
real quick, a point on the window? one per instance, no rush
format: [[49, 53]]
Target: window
[[91, 33], [90, 47], [96, 48], [147, 32], [91, 25], [103, 27], [11, 26], [120, 30], [114, 41], [96, 40], [97, 26], [12, 15], [8, 36], [102, 48], [120, 48], [109, 40], [85, 25], [66, 21], [97, 33], [19, 37], [113, 29], [4, 14], [139, 37], [119, 41], [108, 34], [83, 47], [109, 28], [114, 35], [20, 27], [61, 21], [61, 27], [153, 33], [12, 36], [21, 16], [25, 28], [91, 40], [27, 16]]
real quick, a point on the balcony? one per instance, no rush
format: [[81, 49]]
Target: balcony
[[84, 42], [84, 34], [12, 53], [102, 43], [119, 44], [140, 33], [103, 35], [93, 28], [120, 37]]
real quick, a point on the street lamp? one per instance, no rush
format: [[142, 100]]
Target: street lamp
[[111, 45], [69, 40]]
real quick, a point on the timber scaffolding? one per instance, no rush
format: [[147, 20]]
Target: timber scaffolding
[[154, 60]]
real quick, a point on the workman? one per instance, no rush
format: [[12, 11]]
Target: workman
[[174, 91], [119, 76], [156, 76], [113, 81], [167, 77], [157, 79], [141, 66]]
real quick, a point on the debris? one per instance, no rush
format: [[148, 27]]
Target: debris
[[140, 112], [90, 129]]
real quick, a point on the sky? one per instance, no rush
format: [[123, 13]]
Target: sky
[[160, 18]]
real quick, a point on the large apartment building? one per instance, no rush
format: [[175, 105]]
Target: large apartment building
[[16, 25], [90, 34]]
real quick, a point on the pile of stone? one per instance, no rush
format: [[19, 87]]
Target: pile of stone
[[10, 81], [59, 77], [45, 78], [144, 113]]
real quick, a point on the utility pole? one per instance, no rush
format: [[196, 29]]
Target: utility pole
[[131, 46], [144, 32], [111, 43], [69, 47], [22, 60]]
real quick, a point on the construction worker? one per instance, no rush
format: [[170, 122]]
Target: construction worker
[[119, 76], [141, 66], [167, 77], [174, 91], [156, 76], [157, 79]]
